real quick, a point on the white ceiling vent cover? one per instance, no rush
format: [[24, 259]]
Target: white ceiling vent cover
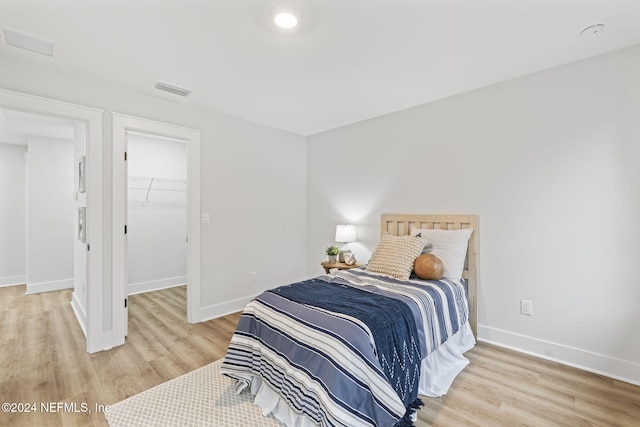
[[28, 42], [176, 90]]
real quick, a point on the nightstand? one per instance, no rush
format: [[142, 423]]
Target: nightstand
[[337, 265]]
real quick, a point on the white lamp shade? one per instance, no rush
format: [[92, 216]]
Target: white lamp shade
[[345, 233]]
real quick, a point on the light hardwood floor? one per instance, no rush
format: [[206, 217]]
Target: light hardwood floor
[[43, 359], [501, 387]]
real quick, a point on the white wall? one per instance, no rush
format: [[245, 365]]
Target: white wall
[[549, 163], [253, 185], [156, 217], [50, 211], [13, 213]]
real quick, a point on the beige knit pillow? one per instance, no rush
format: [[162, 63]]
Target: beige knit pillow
[[395, 255]]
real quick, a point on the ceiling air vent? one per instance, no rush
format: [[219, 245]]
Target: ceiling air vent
[[28, 42], [176, 90]]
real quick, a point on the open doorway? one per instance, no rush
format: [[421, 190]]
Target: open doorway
[[156, 213], [125, 128], [91, 300], [40, 245]]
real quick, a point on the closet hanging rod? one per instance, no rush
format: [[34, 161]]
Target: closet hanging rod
[[157, 179], [152, 179]]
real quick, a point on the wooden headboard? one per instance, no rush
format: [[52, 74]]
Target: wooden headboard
[[403, 224]]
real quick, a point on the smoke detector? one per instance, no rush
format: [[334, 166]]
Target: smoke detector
[[592, 30]]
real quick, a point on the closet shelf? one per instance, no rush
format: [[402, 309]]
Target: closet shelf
[[157, 179], [153, 179]]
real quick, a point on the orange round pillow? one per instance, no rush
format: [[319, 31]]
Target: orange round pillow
[[428, 267]]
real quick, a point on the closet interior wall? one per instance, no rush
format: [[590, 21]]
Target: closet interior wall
[[157, 213]]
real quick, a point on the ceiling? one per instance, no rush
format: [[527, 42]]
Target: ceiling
[[347, 61], [16, 127]]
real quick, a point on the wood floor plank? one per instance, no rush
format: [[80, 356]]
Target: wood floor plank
[[43, 359], [504, 387]]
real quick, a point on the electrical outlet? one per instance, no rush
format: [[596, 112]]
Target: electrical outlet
[[254, 276], [526, 307], [206, 218]]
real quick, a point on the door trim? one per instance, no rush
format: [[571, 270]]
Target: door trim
[[122, 123], [97, 320]]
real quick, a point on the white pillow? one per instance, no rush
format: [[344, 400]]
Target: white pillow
[[448, 245], [395, 255]]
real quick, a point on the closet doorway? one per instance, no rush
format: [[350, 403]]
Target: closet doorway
[[156, 188], [156, 213]]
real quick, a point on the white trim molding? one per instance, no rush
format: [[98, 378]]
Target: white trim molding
[[156, 285], [228, 307], [13, 280], [55, 285], [121, 124], [601, 364], [81, 315]]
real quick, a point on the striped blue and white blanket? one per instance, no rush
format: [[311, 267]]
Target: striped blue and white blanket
[[345, 349]]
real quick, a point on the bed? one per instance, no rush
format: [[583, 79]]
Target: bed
[[357, 347]]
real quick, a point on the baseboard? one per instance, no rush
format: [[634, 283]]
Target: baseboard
[[156, 285], [81, 315], [56, 285], [623, 370], [12, 281], [222, 309]]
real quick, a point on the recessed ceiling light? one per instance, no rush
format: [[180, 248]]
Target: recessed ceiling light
[[285, 19], [28, 42], [592, 30]]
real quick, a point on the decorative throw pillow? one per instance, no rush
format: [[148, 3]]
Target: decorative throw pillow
[[395, 255], [427, 248], [448, 245], [428, 267]]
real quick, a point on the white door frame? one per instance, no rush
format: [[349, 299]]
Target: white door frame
[[121, 124], [94, 319]]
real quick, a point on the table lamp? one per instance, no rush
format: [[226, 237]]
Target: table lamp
[[345, 233]]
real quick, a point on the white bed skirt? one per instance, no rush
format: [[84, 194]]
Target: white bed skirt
[[438, 371], [441, 367]]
